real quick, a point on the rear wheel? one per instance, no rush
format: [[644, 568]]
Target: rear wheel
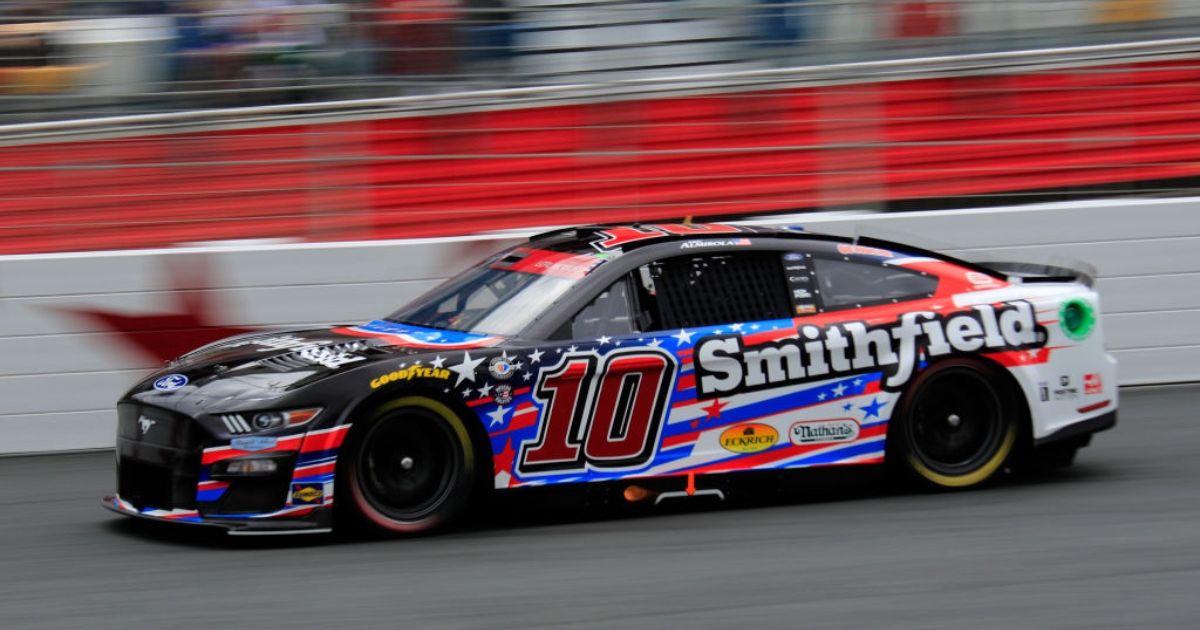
[[410, 469], [955, 427]]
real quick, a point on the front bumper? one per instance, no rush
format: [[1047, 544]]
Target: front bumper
[[178, 472], [315, 521]]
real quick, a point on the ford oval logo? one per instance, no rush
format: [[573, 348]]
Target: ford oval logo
[[170, 382]]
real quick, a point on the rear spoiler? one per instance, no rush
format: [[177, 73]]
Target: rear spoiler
[[1036, 272]]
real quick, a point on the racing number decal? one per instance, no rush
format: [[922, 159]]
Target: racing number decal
[[605, 419]]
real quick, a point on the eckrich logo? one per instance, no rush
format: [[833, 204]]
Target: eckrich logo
[[724, 364], [816, 431], [749, 438]]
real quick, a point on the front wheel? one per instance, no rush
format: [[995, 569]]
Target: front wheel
[[955, 427], [410, 469]]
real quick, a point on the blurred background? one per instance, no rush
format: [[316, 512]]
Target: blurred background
[[149, 123], [80, 58]]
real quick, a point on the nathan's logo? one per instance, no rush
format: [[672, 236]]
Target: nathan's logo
[[408, 374], [724, 364], [749, 438], [304, 494], [816, 431]]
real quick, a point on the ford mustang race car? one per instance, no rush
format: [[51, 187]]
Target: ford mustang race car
[[664, 359]]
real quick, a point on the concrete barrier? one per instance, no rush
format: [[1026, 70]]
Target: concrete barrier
[[77, 329]]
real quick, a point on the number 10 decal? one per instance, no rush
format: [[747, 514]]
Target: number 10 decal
[[605, 419]]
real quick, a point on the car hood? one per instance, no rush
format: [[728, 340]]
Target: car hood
[[267, 364]]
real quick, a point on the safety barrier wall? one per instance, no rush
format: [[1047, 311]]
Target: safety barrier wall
[[818, 138], [78, 329]]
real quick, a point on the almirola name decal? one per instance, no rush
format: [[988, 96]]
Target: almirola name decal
[[724, 364]]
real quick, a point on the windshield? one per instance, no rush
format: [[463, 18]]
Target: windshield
[[486, 300]]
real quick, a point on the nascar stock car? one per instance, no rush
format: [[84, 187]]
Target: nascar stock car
[[660, 358]]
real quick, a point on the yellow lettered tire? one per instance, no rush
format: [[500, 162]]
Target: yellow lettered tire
[[955, 426], [409, 468]]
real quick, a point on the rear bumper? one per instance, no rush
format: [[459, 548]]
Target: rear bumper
[[1079, 430]]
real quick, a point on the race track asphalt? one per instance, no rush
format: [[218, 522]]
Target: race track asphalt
[[1113, 542]]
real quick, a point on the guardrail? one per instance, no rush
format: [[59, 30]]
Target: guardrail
[[78, 329]]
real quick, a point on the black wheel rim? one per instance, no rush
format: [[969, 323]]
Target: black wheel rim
[[408, 465], [956, 423]]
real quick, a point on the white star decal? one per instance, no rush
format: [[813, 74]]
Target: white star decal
[[497, 416], [654, 343], [821, 396], [485, 390], [438, 361], [526, 375], [572, 348], [735, 327], [604, 339], [857, 382], [753, 326], [683, 337], [466, 369], [1033, 352], [840, 389], [535, 356]]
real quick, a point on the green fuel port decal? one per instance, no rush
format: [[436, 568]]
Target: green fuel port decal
[[1077, 319]]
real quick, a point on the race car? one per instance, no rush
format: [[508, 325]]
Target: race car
[[665, 359]]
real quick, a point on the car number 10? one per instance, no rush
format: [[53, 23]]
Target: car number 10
[[602, 419]]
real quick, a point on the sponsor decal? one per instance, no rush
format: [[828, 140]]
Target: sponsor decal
[[1077, 319], [732, 242], [795, 267], [503, 394], [805, 309], [1093, 384], [331, 358], [1064, 391], [549, 263], [725, 364], [145, 423], [801, 293], [981, 279], [818, 431], [170, 382], [307, 494], [567, 269], [502, 368], [793, 257], [1043, 391], [749, 438], [324, 353], [408, 374], [253, 444], [864, 251]]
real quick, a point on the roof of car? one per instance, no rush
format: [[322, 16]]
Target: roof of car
[[621, 238]]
